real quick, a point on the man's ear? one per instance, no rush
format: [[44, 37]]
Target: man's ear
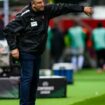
[[32, 3]]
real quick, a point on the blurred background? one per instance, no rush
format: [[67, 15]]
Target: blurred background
[[75, 42], [59, 47]]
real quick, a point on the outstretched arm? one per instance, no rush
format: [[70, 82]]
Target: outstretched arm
[[54, 10]]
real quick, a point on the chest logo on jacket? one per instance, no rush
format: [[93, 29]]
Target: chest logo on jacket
[[34, 24]]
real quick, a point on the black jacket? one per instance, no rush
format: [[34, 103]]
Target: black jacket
[[28, 31]]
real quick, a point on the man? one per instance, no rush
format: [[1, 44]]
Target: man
[[27, 36], [98, 39], [77, 39], [57, 44]]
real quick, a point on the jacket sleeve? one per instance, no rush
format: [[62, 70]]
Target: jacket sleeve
[[11, 31], [54, 10]]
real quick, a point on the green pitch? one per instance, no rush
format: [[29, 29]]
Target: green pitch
[[88, 89], [93, 101]]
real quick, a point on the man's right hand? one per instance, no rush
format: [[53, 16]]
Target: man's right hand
[[15, 53], [88, 11]]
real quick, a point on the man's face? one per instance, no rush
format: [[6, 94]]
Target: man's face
[[38, 5]]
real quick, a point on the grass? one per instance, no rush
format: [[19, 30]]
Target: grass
[[93, 101], [88, 89]]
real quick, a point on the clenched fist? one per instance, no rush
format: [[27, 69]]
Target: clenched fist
[[88, 10]]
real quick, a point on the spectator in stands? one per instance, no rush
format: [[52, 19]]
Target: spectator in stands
[[98, 39], [1, 24], [2, 37]]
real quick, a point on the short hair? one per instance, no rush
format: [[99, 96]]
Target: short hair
[[32, 0]]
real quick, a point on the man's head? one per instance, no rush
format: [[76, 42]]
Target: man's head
[[37, 5], [99, 25]]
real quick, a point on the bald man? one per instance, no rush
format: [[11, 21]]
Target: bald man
[[27, 35]]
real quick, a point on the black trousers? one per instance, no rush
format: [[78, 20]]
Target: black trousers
[[100, 58], [30, 65]]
